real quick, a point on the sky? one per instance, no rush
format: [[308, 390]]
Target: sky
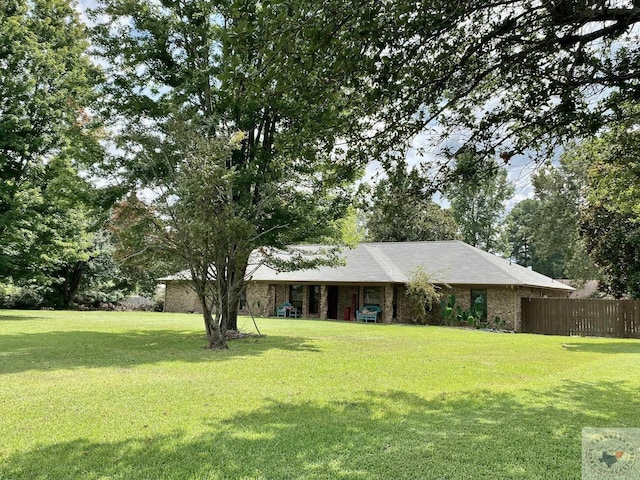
[[520, 170]]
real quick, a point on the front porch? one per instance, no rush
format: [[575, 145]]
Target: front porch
[[324, 301]]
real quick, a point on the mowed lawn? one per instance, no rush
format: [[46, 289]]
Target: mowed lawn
[[136, 396]]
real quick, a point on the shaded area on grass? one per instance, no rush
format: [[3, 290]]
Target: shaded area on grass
[[92, 349], [480, 435], [13, 318], [621, 346]]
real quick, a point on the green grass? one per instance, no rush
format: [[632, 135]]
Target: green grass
[[136, 396]]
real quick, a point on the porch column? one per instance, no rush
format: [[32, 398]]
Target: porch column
[[270, 305], [324, 302], [387, 304], [517, 310], [305, 301]]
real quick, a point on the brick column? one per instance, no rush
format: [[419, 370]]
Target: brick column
[[305, 301], [324, 302], [387, 304]]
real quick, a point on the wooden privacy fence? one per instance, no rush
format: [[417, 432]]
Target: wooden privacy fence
[[565, 316]]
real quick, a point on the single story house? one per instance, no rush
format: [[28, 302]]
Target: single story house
[[376, 274]]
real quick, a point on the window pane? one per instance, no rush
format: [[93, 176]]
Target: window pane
[[479, 300], [295, 296], [372, 296], [314, 298]]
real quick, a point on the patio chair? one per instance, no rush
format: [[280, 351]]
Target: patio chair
[[283, 310], [368, 313]]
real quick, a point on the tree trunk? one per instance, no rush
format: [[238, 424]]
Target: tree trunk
[[215, 336], [71, 284], [235, 285], [223, 296], [232, 310]]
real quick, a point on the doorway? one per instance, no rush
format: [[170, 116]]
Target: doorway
[[332, 302]]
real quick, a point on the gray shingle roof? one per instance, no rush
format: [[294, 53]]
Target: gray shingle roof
[[450, 262]]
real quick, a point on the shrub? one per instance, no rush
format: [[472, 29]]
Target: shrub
[[452, 313], [423, 295], [21, 297]]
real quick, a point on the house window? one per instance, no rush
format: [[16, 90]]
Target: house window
[[479, 300], [395, 302], [242, 300], [372, 295], [295, 296], [314, 298]]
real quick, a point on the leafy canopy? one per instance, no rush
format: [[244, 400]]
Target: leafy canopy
[[48, 213], [401, 209], [610, 221], [478, 202], [503, 78]]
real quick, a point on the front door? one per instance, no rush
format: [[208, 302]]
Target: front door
[[332, 302]]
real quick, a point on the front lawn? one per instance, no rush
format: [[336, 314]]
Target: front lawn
[[135, 396]]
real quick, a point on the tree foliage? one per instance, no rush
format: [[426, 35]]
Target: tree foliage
[[139, 260], [614, 173], [54, 243], [401, 209], [45, 83], [209, 69], [519, 234], [205, 231], [503, 78], [614, 241], [560, 249], [477, 204], [610, 220], [47, 211], [233, 66]]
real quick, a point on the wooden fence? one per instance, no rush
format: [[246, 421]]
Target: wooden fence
[[563, 316]]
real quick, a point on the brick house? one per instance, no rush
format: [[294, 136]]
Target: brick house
[[377, 273]]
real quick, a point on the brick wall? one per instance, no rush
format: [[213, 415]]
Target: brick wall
[[345, 299], [260, 298], [502, 303], [181, 298]]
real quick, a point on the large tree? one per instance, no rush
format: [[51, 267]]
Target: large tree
[[561, 190], [46, 85], [519, 233], [610, 220], [209, 69], [201, 227], [401, 209]]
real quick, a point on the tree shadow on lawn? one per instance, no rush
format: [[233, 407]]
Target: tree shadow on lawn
[[89, 349], [627, 346], [479, 435], [14, 318]]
